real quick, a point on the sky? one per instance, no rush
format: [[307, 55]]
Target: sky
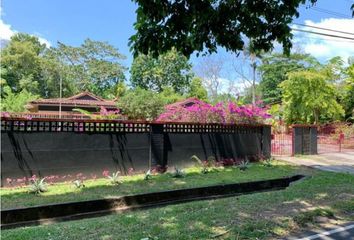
[[71, 22]]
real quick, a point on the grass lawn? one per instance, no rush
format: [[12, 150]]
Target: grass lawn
[[101, 188], [265, 215]]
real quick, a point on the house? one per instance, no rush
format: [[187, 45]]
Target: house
[[184, 103], [50, 108]]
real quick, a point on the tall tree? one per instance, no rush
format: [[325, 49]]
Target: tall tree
[[21, 63], [94, 66], [196, 89], [198, 25], [348, 95], [252, 58], [210, 69], [171, 69], [274, 70], [309, 97]]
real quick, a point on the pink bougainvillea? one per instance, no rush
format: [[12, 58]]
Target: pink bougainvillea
[[107, 114], [202, 112]]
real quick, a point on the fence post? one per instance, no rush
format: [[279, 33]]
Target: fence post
[[157, 145]]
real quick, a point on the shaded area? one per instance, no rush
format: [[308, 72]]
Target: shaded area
[[63, 153]]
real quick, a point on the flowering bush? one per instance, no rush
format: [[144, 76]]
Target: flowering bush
[[202, 112]]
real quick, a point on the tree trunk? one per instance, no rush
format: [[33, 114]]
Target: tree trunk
[[254, 84]]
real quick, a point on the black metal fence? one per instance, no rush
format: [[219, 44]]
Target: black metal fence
[[67, 147]]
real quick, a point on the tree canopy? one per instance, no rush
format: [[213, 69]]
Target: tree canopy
[[199, 25], [274, 70], [308, 97], [170, 69], [94, 66]]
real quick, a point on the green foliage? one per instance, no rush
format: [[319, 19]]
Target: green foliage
[[21, 59], [247, 96], [198, 25], [115, 178], [141, 104], [167, 70], [268, 162], [205, 165], [168, 96], [348, 94], [308, 97], [15, 102], [38, 186], [147, 175], [78, 183], [178, 173], [94, 66], [244, 165], [196, 89], [274, 70], [28, 65]]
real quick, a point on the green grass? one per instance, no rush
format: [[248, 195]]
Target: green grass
[[265, 215], [101, 188]]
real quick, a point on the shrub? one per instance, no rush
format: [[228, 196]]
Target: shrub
[[268, 162], [244, 165], [148, 175], [202, 112], [37, 186], [178, 173], [115, 178], [78, 183], [206, 164]]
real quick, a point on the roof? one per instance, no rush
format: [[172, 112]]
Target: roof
[[82, 99], [184, 103]]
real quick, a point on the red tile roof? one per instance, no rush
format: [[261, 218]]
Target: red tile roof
[[188, 101], [73, 101]]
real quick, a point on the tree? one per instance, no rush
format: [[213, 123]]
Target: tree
[[28, 65], [171, 69], [198, 25], [15, 102], [94, 66], [348, 96], [141, 104], [196, 89], [309, 97], [21, 62], [210, 70], [253, 57], [274, 70]]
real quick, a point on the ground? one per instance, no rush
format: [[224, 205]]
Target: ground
[[267, 215], [335, 162]]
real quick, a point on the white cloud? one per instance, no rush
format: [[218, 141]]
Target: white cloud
[[325, 47], [6, 32]]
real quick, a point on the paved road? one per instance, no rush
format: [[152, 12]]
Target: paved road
[[335, 162], [344, 232]]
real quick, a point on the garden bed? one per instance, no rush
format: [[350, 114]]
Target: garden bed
[[75, 210], [101, 188], [266, 215]]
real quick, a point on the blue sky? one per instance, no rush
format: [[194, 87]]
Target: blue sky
[[71, 22]]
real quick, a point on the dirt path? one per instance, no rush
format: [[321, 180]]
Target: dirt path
[[335, 162]]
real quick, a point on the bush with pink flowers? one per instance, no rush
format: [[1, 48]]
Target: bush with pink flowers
[[202, 112]]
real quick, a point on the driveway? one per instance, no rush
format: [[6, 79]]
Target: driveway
[[344, 232], [334, 162]]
